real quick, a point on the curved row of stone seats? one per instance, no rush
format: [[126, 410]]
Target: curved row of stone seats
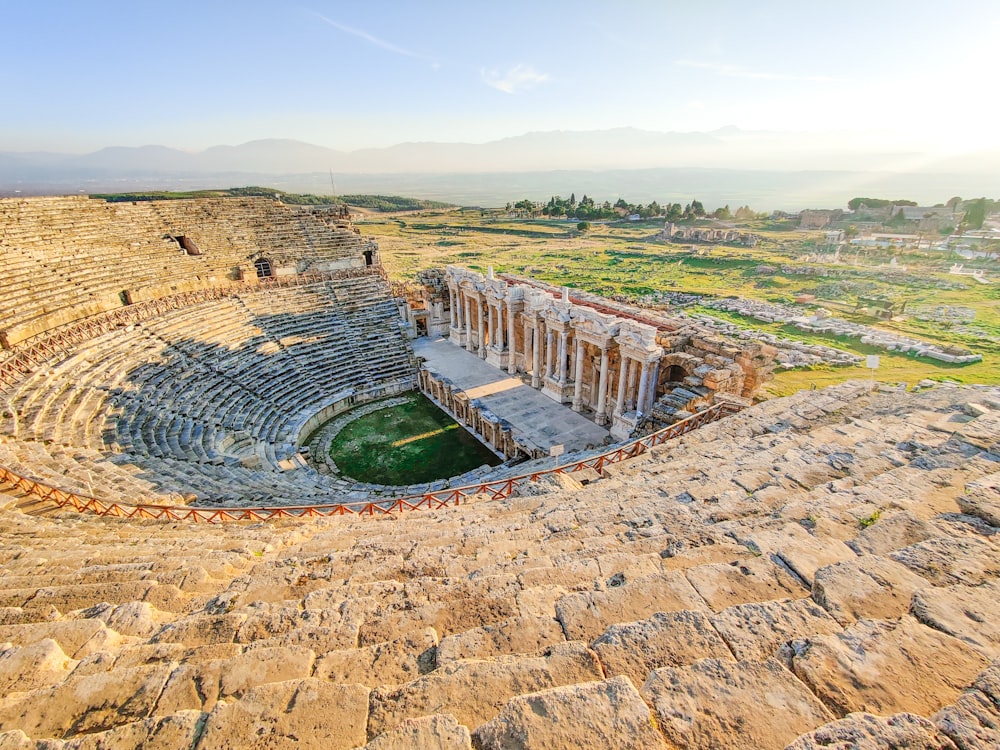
[[225, 385], [734, 588], [63, 257]]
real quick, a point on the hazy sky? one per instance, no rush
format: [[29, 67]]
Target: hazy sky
[[78, 76]]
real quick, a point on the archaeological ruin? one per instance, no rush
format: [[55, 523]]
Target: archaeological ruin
[[659, 560]]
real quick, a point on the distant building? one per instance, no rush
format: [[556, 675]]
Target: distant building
[[818, 218]]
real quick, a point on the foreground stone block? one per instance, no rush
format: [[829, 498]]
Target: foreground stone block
[[667, 639], [892, 531], [38, 665], [475, 691], [161, 733], [860, 731], [756, 631], [521, 635], [391, 663], [867, 587], [438, 732], [585, 615], [607, 714], [886, 667], [301, 714], [966, 612], [801, 551], [949, 560], [757, 579], [982, 499], [725, 704]]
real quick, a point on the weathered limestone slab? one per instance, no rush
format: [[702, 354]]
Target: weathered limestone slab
[[78, 638], [983, 432], [438, 732], [886, 667], [83, 595], [861, 731], [585, 615], [297, 715], [973, 721], [199, 630], [867, 587], [728, 704], [139, 619], [445, 617], [519, 635], [949, 560], [158, 733], [605, 714], [475, 691], [890, 532], [800, 550], [200, 685], [756, 630], [755, 579], [982, 499], [19, 616], [391, 663], [18, 740], [87, 704], [966, 612], [38, 665], [667, 639]]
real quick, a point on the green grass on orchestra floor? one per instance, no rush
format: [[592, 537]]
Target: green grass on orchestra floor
[[410, 443]]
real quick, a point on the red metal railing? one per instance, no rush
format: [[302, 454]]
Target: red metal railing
[[449, 498]]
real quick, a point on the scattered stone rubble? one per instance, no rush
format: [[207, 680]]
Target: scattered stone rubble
[[820, 570]]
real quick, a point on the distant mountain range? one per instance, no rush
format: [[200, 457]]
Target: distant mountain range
[[466, 172]]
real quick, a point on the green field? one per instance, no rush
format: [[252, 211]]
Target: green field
[[624, 259], [410, 443]]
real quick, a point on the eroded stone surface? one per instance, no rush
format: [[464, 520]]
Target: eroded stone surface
[[667, 639], [966, 612], [982, 499], [870, 587], [474, 691], [301, 714], [945, 560], [756, 631], [886, 667], [751, 580], [522, 635], [38, 665], [861, 731], [728, 704], [438, 732], [610, 713]]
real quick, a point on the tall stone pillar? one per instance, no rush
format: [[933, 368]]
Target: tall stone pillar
[[602, 390], [623, 368], [563, 337], [501, 333], [640, 405], [550, 350], [511, 342], [490, 328], [536, 355], [630, 386], [482, 329], [578, 375], [452, 321], [468, 323]]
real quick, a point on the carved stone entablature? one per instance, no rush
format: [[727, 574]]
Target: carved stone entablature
[[638, 341], [594, 327]]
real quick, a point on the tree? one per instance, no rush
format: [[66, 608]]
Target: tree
[[975, 214], [583, 226], [953, 202]]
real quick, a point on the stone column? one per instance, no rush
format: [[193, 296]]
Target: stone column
[[511, 342], [468, 323], [490, 328], [623, 367], [578, 375], [451, 306], [640, 405], [602, 390], [549, 350], [482, 329], [563, 337], [630, 385], [536, 355], [501, 333]]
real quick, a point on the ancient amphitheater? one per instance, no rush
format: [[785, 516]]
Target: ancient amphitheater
[[809, 572]]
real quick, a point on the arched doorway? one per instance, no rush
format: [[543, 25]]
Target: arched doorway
[[264, 269]]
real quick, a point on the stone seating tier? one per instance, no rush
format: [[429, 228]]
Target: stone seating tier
[[65, 258], [749, 585]]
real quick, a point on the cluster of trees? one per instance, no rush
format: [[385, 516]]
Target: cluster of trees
[[587, 209], [855, 203]]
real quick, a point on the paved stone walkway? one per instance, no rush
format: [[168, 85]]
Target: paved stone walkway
[[534, 418]]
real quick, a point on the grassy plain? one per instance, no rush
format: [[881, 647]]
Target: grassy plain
[[623, 259]]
